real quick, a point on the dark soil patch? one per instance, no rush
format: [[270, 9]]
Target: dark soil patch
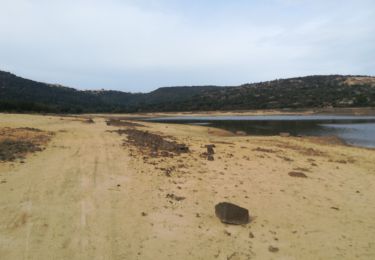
[[120, 122], [16, 143], [264, 150], [153, 144], [30, 129], [287, 159], [11, 150]]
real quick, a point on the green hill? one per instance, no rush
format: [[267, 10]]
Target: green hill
[[22, 95]]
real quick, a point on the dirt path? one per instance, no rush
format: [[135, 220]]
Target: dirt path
[[84, 197], [72, 202]]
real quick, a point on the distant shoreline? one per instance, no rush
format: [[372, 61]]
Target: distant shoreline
[[360, 111]]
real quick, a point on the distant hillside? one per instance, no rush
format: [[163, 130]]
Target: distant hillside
[[22, 95]]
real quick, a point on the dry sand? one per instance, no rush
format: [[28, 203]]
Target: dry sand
[[86, 197]]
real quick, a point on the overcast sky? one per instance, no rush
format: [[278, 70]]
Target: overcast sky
[[141, 45]]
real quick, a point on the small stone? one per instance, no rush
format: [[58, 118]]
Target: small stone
[[174, 197], [273, 249], [297, 174], [227, 233]]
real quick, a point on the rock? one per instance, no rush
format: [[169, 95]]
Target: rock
[[273, 249], [297, 174], [284, 134], [210, 157], [232, 214], [210, 148], [174, 197]]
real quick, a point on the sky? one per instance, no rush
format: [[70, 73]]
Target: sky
[[139, 46]]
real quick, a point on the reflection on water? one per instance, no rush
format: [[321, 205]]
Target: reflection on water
[[362, 134], [356, 130]]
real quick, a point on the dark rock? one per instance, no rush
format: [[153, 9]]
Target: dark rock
[[232, 214], [210, 157], [273, 249], [182, 148], [297, 174], [210, 148], [174, 197]]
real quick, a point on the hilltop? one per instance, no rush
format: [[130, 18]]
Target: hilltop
[[23, 95]]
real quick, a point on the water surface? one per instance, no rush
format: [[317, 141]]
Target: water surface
[[355, 130]]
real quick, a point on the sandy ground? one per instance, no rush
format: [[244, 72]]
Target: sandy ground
[[86, 197]]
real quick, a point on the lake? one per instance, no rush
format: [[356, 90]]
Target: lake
[[354, 130]]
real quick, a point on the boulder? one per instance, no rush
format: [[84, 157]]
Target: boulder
[[230, 213]]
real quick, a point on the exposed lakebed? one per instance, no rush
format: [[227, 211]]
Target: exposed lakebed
[[354, 130]]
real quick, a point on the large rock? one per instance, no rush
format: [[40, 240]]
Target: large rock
[[232, 214]]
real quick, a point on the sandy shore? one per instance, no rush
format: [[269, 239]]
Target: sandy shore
[[360, 111], [86, 196]]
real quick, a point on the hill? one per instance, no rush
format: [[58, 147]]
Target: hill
[[23, 95]]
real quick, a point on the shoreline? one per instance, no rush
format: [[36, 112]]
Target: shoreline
[[370, 111]]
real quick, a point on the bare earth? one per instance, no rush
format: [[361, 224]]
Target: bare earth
[[86, 196]]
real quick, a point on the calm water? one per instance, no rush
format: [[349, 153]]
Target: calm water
[[355, 130]]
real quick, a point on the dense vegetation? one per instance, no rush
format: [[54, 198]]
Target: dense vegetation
[[23, 95]]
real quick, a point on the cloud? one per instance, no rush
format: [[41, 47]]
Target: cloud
[[141, 45]]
